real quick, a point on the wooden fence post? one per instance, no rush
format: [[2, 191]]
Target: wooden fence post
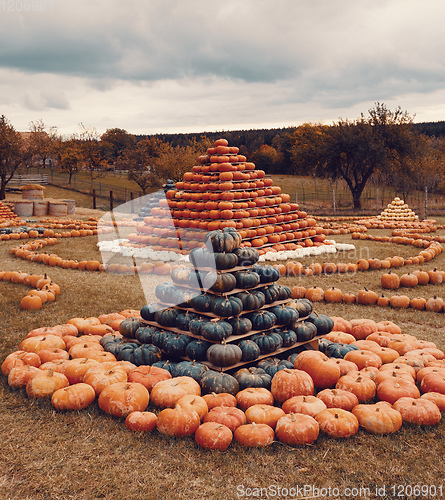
[[94, 199], [111, 201]]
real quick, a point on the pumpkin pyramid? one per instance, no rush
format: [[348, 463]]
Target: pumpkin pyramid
[[225, 190], [221, 312], [398, 210], [6, 214]]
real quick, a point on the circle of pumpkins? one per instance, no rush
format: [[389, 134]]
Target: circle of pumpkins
[[366, 374]]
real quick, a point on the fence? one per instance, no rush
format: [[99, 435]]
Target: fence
[[319, 195], [314, 195], [22, 179], [96, 186]]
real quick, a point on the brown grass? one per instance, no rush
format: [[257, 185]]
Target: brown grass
[[90, 455]]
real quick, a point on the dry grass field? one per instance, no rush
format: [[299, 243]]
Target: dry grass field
[[87, 455]]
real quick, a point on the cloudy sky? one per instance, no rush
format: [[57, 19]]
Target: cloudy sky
[[199, 65]]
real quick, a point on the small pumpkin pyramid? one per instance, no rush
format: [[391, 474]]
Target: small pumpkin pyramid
[[6, 213], [398, 210], [225, 190]]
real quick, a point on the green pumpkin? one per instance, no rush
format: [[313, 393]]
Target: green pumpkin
[[251, 301], [224, 354], [146, 354], [271, 293], [289, 336], [201, 258], [252, 377], [190, 369], [148, 311], [284, 292], [160, 337], [216, 331], [219, 283], [268, 274], [168, 365], [339, 350], [183, 320], [182, 297], [202, 302], [110, 338], [175, 345], [196, 350], [125, 352], [286, 315], [303, 306], [196, 324], [227, 306], [144, 334], [225, 261], [247, 279], [111, 343], [273, 365], [181, 275], [268, 342], [165, 292], [323, 323], [227, 240], [218, 382], [262, 320], [128, 327], [240, 325], [247, 256], [194, 280], [250, 350], [166, 317], [305, 331]]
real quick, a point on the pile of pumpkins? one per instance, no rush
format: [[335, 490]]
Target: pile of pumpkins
[[225, 190], [6, 215], [398, 210], [366, 374], [224, 310]]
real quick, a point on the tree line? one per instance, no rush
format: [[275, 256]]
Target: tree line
[[385, 146]]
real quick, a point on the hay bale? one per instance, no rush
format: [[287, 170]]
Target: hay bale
[[32, 187]]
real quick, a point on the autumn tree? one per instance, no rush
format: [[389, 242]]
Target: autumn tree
[[92, 159], [41, 140], [151, 162], [68, 155], [115, 141], [13, 153], [354, 150], [141, 161], [427, 170], [265, 158]]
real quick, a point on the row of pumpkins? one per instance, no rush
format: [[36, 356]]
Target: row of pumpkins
[[377, 378]]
